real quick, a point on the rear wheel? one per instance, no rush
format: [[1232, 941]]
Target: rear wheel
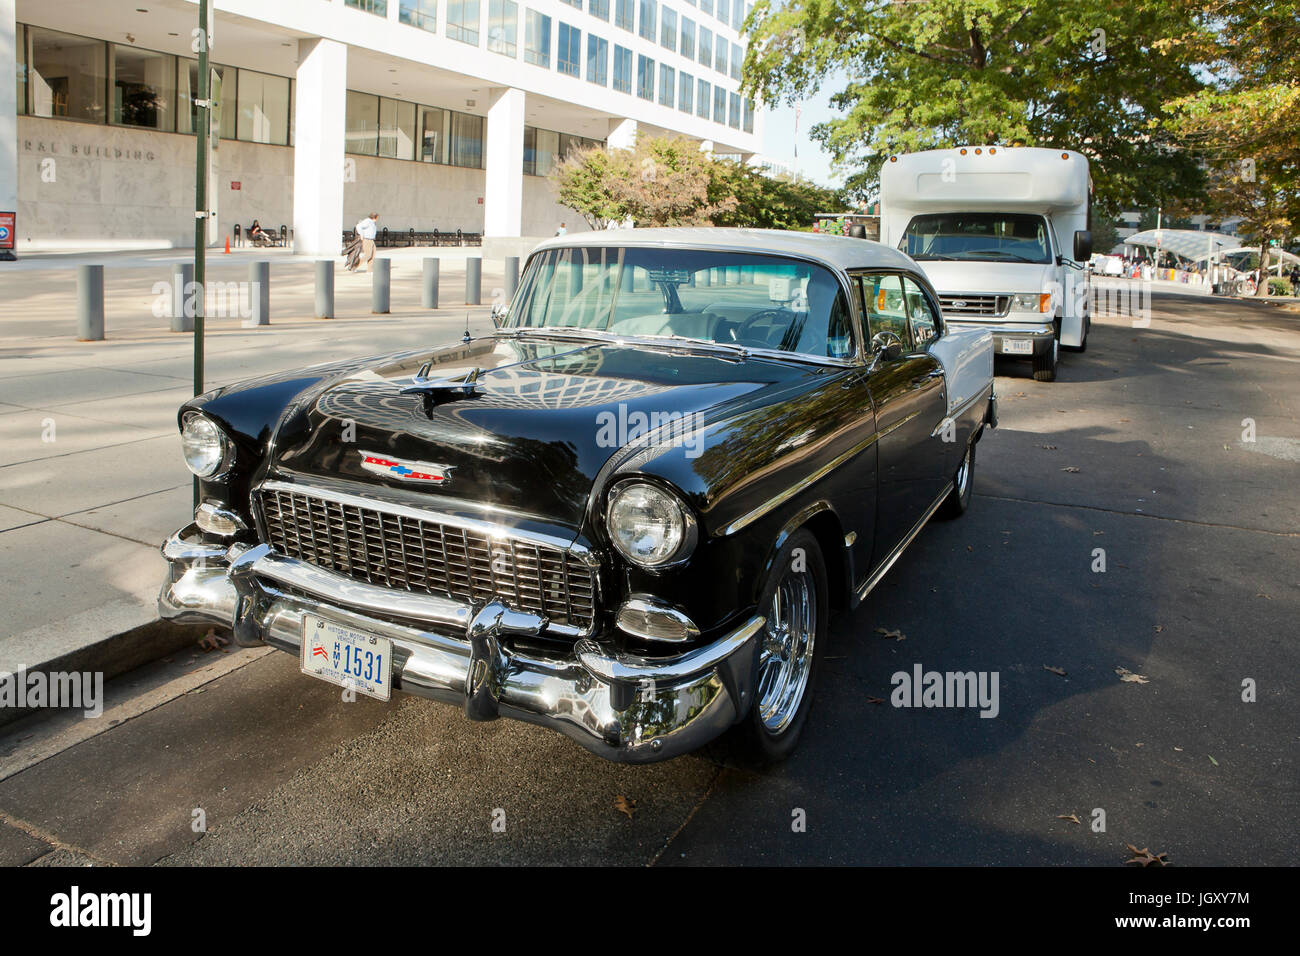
[[791, 645], [958, 500], [1045, 359]]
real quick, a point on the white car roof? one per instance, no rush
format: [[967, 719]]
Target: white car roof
[[837, 252]]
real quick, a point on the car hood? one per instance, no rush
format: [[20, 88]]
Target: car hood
[[1005, 277], [549, 414]]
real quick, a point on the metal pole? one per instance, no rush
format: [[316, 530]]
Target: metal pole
[[90, 303], [201, 204], [512, 276], [324, 288], [380, 278], [429, 292], [259, 294], [182, 277], [474, 281]]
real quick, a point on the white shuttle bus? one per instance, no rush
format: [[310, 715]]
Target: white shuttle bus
[[1003, 234]]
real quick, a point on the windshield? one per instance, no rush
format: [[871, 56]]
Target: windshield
[[978, 236], [727, 298]]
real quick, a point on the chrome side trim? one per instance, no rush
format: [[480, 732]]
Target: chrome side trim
[[897, 553], [377, 503], [611, 666]]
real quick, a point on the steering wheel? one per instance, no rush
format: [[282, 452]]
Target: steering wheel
[[742, 334]]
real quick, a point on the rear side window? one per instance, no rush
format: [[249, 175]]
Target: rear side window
[[921, 317], [884, 307]]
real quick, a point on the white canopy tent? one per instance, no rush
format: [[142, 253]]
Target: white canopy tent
[[1197, 246]]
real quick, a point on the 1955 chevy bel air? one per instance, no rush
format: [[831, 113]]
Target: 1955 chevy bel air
[[626, 514]]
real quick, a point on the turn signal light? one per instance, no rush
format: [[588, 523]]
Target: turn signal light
[[1044, 302]]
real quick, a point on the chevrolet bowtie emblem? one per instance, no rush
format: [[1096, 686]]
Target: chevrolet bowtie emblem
[[403, 470]]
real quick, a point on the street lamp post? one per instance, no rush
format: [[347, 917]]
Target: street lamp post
[[204, 115]]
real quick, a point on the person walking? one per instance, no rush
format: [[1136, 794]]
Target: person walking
[[367, 229], [562, 230], [1295, 280]]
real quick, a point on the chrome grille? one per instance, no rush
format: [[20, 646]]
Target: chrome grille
[[975, 304], [425, 555]]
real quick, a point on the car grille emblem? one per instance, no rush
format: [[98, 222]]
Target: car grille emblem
[[959, 303], [404, 470]]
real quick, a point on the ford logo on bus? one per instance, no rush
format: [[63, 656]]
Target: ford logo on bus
[[959, 303]]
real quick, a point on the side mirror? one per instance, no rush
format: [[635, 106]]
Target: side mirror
[[498, 315], [1082, 245], [886, 346]]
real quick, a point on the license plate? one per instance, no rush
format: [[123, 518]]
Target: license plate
[[1018, 346], [345, 656]]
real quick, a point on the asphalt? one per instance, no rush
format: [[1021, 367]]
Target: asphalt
[[1136, 449]]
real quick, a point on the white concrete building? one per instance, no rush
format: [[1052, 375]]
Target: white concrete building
[[437, 114]]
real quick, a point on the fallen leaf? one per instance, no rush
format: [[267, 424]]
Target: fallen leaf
[[1095, 533], [1145, 856], [211, 641], [1059, 671], [1067, 816], [1179, 749], [875, 700], [1129, 677], [1071, 469], [969, 548], [1159, 628], [1212, 760], [1048, 447], [623, 805], [1123, 421], [891, 635]]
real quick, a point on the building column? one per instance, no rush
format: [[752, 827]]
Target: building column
[[706, 147], [503, 189], [320, 104], [622, 134], [8, 111]]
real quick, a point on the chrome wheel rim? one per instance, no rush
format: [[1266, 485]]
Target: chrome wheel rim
[[785, 657], [963, 474]]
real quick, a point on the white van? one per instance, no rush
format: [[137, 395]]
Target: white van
[[990, 226]]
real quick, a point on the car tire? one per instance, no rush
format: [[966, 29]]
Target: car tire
[[959, 493], [795, 600], [1045, 360]]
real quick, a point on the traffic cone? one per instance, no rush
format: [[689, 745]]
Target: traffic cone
[[227, 245]]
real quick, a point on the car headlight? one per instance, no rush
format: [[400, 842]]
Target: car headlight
[[206, 449], [1032, 302], [649, 526]]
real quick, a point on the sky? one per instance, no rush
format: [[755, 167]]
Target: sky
[[779, 136]]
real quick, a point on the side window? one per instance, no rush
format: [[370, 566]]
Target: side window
[[884, 307], [925, 324]]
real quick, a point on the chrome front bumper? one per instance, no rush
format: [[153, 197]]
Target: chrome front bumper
[[1002, 330], [624, 708]]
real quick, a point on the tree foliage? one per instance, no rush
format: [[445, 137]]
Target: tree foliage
[[1090, 75]]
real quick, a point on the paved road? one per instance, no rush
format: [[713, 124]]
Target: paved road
[[1137, 449]]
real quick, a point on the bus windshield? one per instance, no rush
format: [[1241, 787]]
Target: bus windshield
[[978, 237]]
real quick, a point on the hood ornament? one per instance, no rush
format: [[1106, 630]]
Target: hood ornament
[[435, 391]]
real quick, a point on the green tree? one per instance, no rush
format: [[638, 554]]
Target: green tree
[[1081, 74]]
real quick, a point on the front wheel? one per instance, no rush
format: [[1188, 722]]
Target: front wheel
[[790, 650], [1045, 361], [958, 500]]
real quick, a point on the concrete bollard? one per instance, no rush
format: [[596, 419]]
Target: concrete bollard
[[512, 276], [90, 303], [324, 288], [182, 317], [259, 294], [474, 281], [429, 288], [381, 282]]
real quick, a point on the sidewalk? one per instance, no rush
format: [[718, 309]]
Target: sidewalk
[[91, 477]]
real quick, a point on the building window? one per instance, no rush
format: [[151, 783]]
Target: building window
[[649, 13], [466, 140], [749, 116], [598, 8], [187, 114], [20, 41], [144, 89], [396, 129], [263, 108], [702, 92], [688, 38], [733, 117], [622, 69], [503, 26], [719, 105], [706, 6], [361, 125], [720, 56], [568, 51], [706, 46], [419, 13], [737, 61], [67, 76], [723, 9], [378, 7], [624, 13], [738, 12], [597, 59], [685, 92], [645, 77], [433, 134], [540, 148], [462, 21], [668, 30], [537, 38], [667, 85]]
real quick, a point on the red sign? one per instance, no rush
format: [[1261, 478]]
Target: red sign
[[480, 200], [236, 184], [6, 230]]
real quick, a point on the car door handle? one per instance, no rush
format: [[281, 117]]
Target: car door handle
[[922, 379]]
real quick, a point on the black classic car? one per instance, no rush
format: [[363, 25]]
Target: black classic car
[[626, 514]]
